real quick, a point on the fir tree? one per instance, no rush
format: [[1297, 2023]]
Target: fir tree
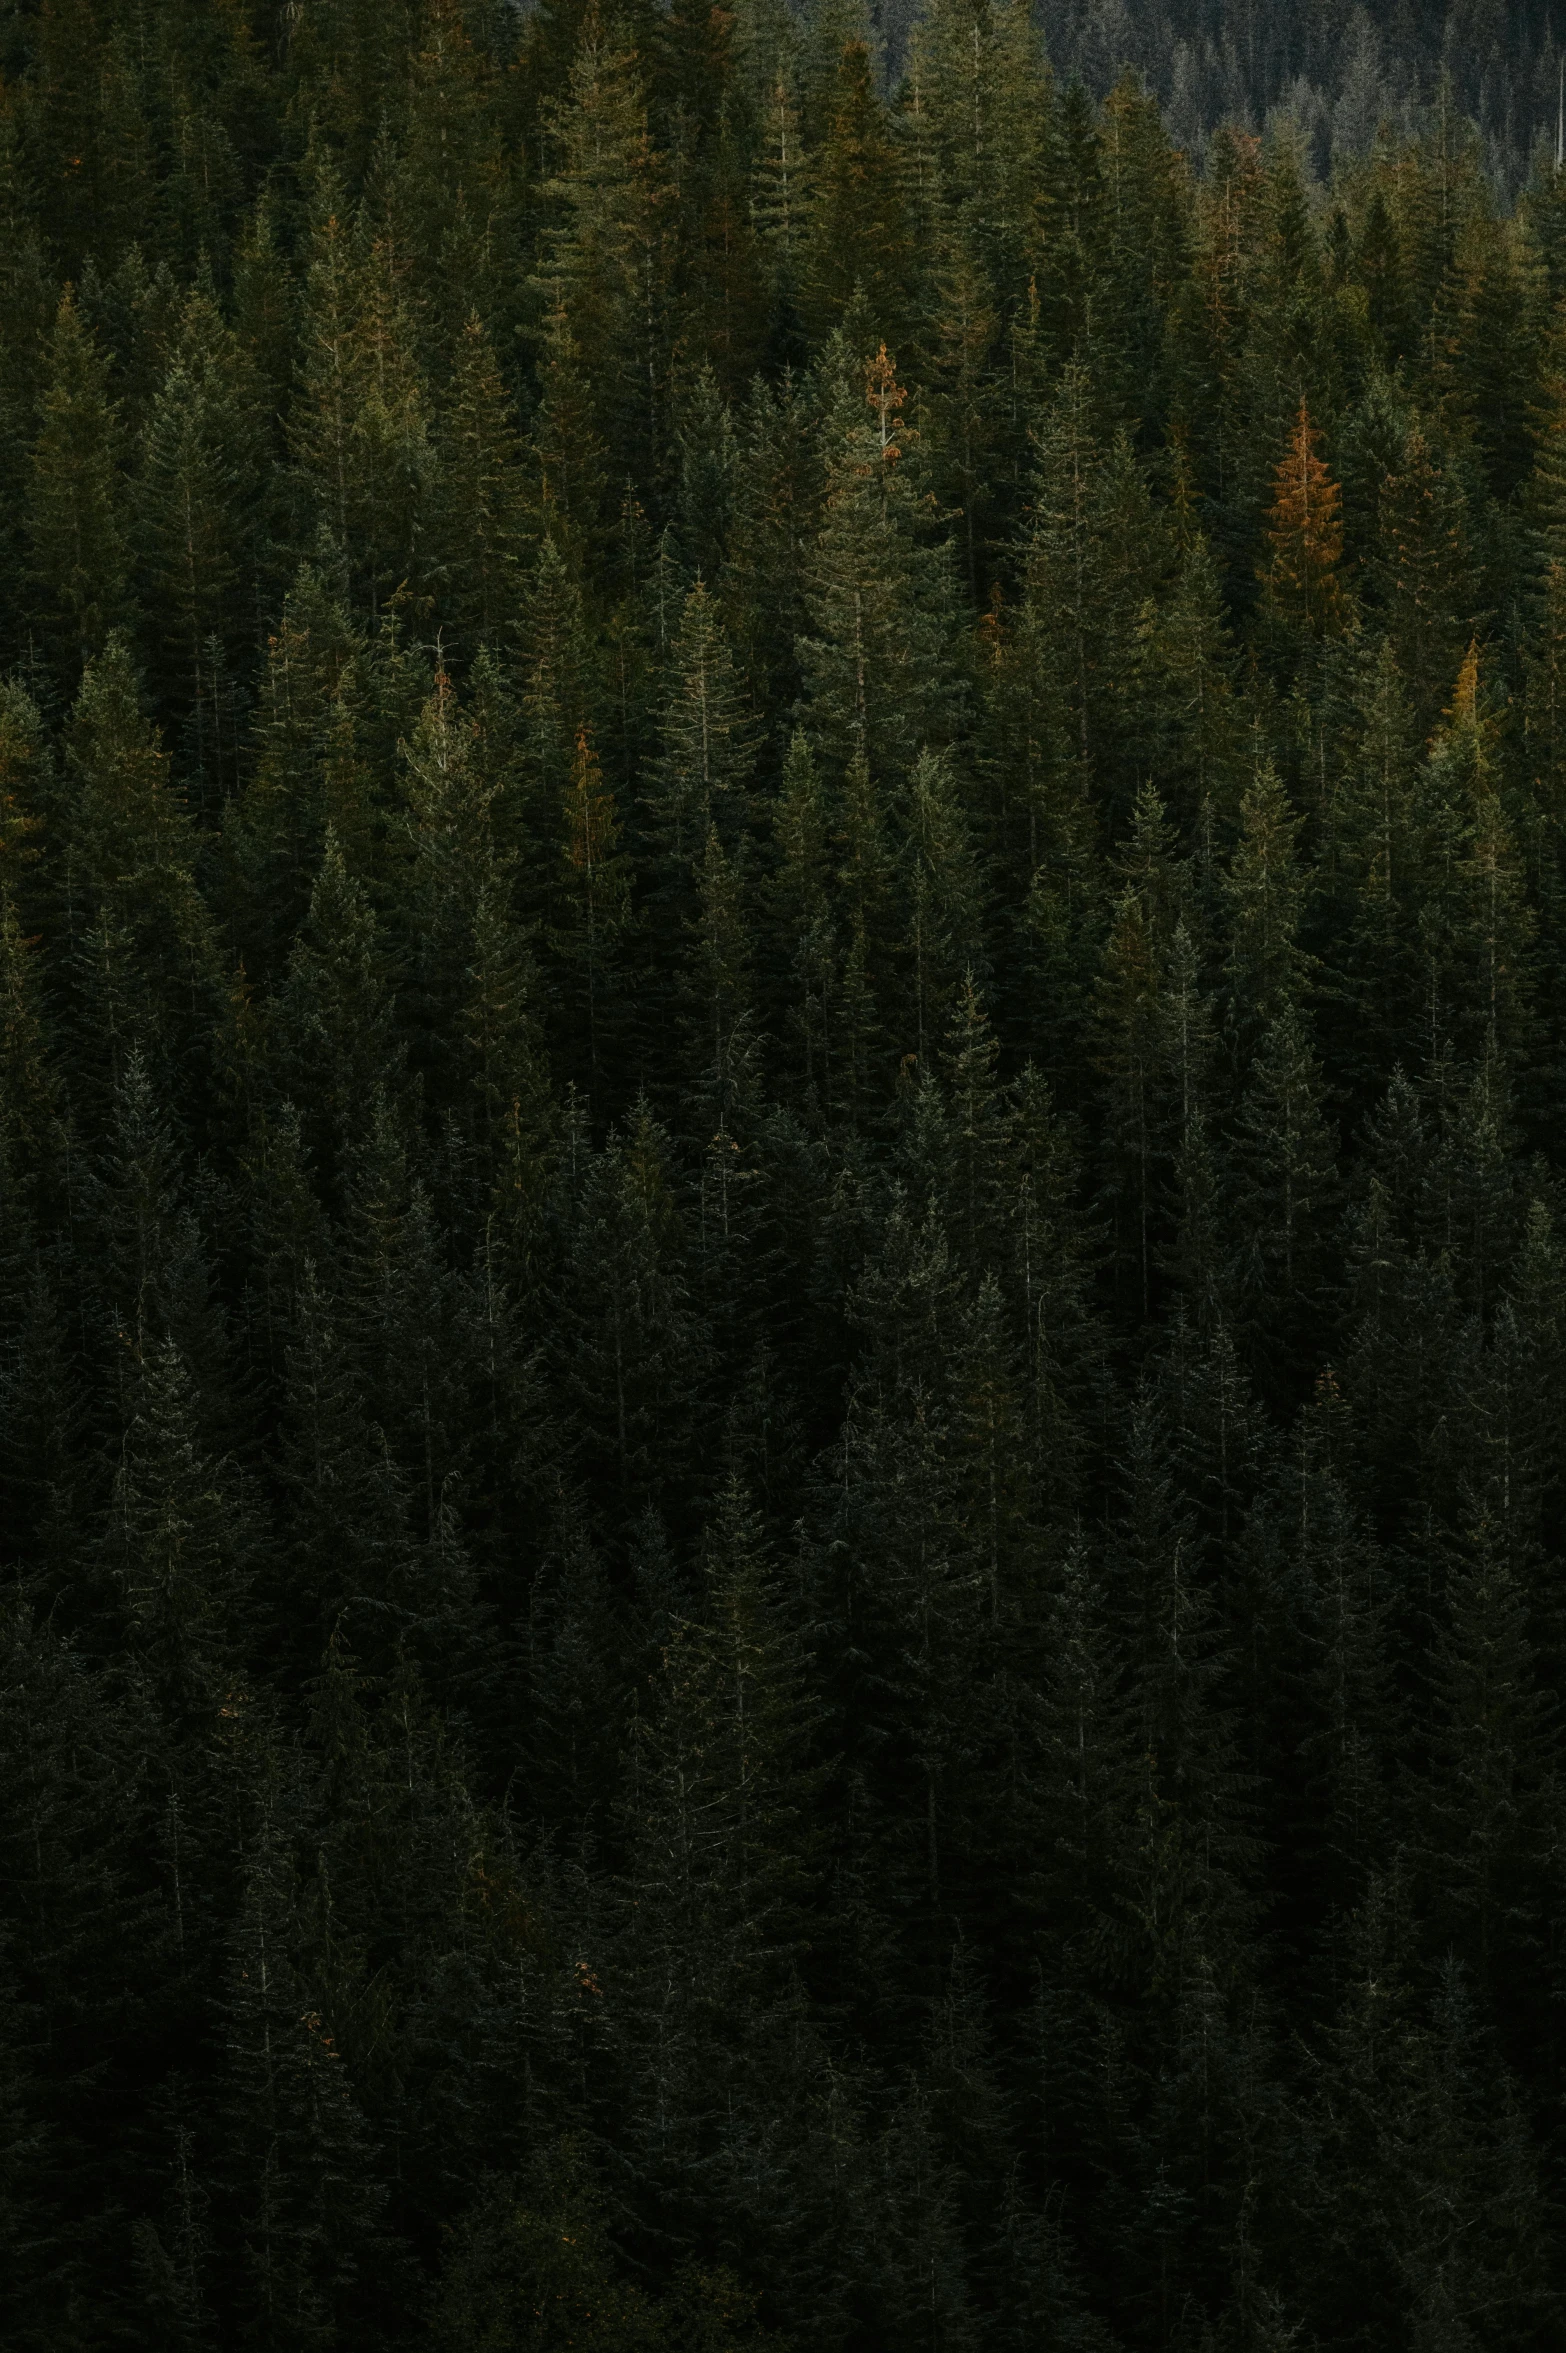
[[880, 667], [858, 247], [1302, 590], [478, 522], [75, 501], [195, 495], [140, 934]]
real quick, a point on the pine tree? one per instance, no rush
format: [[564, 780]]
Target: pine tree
[[1487, 356], [338, 1057], [195, 495], [558, 700], [1130, 1058], [707, 755], [1424, 574], [764, 582], [719, 1022], [709, 468], [907, 1600], [75, 499], [35, 1139], [540, 2270], [602, 267], [594, 908], [1190, 716], [1283, 1179], [348, 1544], [1371, 863], [1302, 588], [880, 666], [1070, 184], [945, 942], [1149, 1057], [28, 297], [1093, 555], [721, 277], [478, 524], [1187, 1899], [634, 1353], [543, 2274], [1486, 1803], [1476, 929], [306, 2247], [1421, 2118], [1265, 895], [982, 88], [722, 1789], [1349, 1744], [780, 178], [179, 1544], [307, 770], [858, 244], [1052, 1253], [86, 1949], [924, 2283], [804, 917], [360, 421], [459, 883], [140, 940]]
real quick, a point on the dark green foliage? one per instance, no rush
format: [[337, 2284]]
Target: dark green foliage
[[782, 1122]]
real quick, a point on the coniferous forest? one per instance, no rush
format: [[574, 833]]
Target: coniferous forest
[[783, 1146]]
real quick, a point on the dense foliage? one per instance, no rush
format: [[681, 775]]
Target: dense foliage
[[783, 1261], [1338, 67]]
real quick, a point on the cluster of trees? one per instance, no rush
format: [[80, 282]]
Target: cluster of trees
[[782, 1275], [1337, 68]]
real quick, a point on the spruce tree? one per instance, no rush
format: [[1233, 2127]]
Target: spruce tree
[[601, 268], [478, 520], [858, 247], [881, 667], [77, 558], [195, 497], [141, 947], [360, 420]]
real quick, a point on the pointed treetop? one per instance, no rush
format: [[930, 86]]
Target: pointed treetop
[[1465, 695], [1305, 534]]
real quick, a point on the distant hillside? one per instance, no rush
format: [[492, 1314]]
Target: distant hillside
[[1339, 67]]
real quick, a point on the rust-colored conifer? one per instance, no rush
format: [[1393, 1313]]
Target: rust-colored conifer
[[1305, 535]]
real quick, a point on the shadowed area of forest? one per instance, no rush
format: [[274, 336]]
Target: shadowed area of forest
[[782, 1144]]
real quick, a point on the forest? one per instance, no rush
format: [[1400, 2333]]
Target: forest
[[1340, 69], [782, 1177]]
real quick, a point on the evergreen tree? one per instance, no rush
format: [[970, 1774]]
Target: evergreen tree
[[634, 1353], [601, 266], [75, 502], [304, 2246], [594, 907], [1284, 1176], [1424, 572], [140, 937], [880, 668], [195, 497], [1302, 590], [359, 423], [337, 1053], [1372, 863], [478, 522], [701, 776], [179, 1546], [858, 246]]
